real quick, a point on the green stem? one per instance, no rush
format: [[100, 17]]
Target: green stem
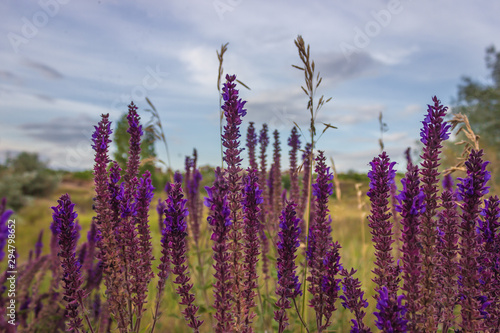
[[85, 315], [157, 307], [262, 311], [202, 280], [308, 218], [300, 317], [220, 126], [127, 285]]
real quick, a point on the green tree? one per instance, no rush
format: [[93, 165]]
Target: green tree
[[25, 176], [26, 162], [480, 102], [121, 140]]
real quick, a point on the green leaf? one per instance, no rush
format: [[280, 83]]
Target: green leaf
[[244, 85], [295, 66], [329, 126]]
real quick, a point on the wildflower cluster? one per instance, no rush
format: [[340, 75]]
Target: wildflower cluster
[[68, 234], [288, 281], [436, 250], [434, 131], [175, 231], [233, 112], [381, 176], [220, 222]]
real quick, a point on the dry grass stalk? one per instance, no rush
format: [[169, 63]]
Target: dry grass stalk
[[383, 128], [336, 181], [460, 120], [156, 128], [220, 57], [312, 82], [361, 208], [220, 76]]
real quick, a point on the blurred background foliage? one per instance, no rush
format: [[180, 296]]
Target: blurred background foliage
[[25, 177], [479, 100]]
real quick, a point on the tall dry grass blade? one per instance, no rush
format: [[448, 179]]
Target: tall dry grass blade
[[312, 82], [156, 127], [336, 182], [220, 75], [383, 128], [462, 122]]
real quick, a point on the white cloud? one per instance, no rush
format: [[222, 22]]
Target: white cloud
[[21, 104], [395, 56], [201, 64], [412, 109]]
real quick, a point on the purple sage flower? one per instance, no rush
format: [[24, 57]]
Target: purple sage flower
[[177, 179], [320, 240], [489, 259], [252, 199], [331, 282], [448, 182], [234, 111], [408, 156], [219, 219], [128, 243], [114, 199], [175, 230], [447, 247], [39, 245], [164, 268], [471, 189], [391, 313], [271, 194], [160, 209], [64, 221], [411, 206], [434, 131], [381, 176], [193, 179], [294, 143], [251, 145], [101, 141], [353, 300], [134, 154], [490, 225], [396, 219], [288, 281], [96, 306], [141, 270], [113, 278], [276, 170], [92, 239], [263, 143]]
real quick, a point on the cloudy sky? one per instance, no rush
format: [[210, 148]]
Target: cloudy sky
[[65, 62]]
